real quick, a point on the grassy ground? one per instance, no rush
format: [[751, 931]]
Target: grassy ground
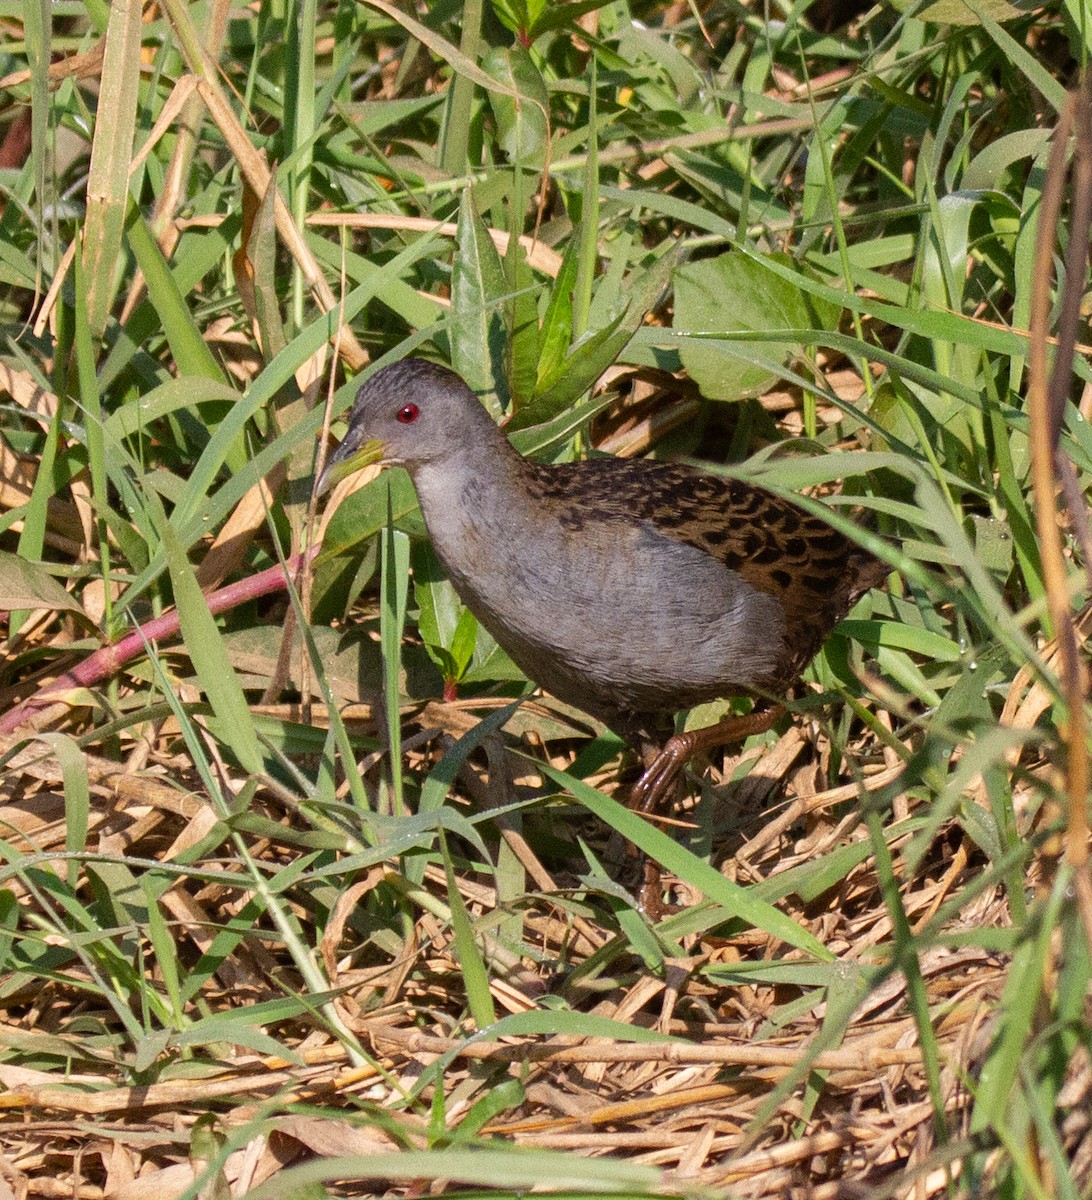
[[242, 955]]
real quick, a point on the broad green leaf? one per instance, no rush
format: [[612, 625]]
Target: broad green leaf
[[479, 332], [198, 252], [489, 663], [811, 879], [572, 1024], [522, 122], [220, 1028], [577, 372], [16, 270], [457, 129], [586, 233], [735, 292]]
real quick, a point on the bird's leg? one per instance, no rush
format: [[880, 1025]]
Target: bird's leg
[[650, 889], [662, 767]]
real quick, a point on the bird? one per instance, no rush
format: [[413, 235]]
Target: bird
[[631, 589]]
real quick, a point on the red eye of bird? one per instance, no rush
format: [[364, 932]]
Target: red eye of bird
[[408, 413]]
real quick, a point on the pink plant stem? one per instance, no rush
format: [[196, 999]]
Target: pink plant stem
[[110, 659]]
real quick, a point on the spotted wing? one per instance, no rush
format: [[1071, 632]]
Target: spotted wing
[[815, 572]]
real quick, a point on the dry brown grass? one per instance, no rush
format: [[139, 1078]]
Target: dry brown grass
[[859, 1121]]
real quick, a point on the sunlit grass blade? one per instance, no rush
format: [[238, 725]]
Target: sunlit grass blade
[[210, 661], [108, 176]]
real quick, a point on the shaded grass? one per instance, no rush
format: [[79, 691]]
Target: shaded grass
[[232, 935]]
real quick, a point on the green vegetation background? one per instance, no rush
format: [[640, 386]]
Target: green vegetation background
[[702, 205]]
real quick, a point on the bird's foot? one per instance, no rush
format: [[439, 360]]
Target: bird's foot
[[651, 792]]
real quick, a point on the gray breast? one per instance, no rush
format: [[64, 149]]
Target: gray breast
[[612, 616]]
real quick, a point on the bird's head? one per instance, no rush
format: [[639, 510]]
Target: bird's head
[[412, 412]]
